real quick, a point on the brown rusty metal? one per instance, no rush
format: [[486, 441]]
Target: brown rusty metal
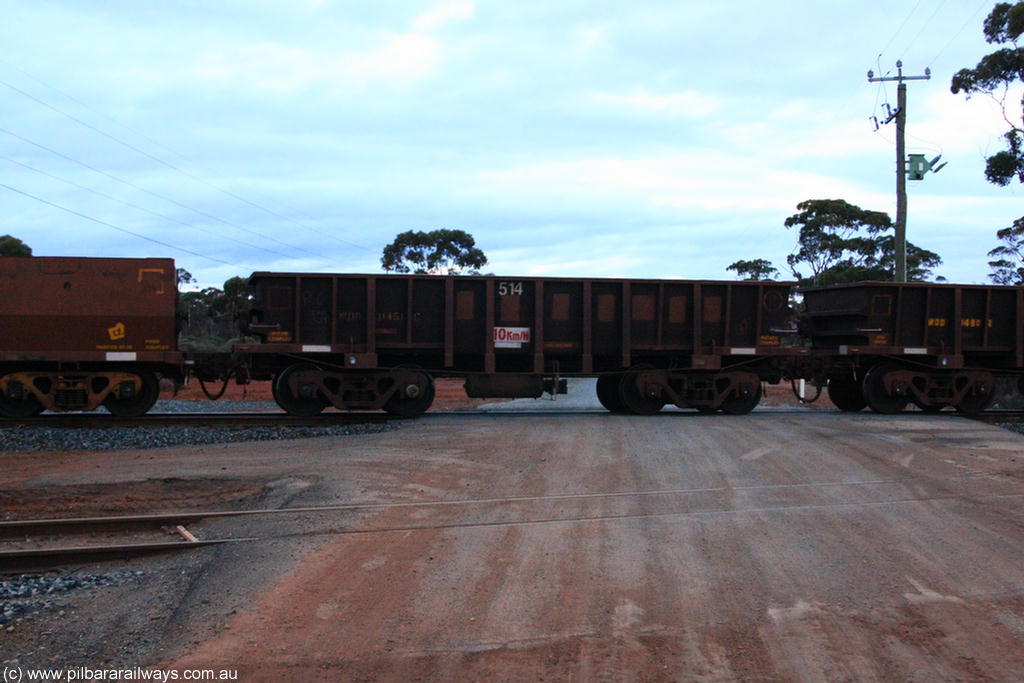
[[928, 388], [588, 327], [75, 331], [88, 308], [547, 326], [940, 324], [70, 390], [504, 386]]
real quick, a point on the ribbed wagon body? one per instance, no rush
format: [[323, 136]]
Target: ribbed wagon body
[[79, 332], [931, 344], [358, 341]]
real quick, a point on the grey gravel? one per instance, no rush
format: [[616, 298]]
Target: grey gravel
[[21, 439], [25, 439], [170, 405], [28, 594], [1012, 426]]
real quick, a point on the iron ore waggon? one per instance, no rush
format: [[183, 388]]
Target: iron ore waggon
[[935, 345], [377, 341], [77, 333]]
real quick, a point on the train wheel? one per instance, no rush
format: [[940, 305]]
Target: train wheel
[[930, 408], [304, 399], [845, 391], [28, 406], [979, 400], [140, 403], [972, 405], [412, 399], [875, 395], [608, 393], [634, 399], [744, 399]]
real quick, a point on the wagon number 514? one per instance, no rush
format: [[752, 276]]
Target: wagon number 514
[[506, 288]]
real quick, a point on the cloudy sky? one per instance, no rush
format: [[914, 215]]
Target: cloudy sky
[[574, 138]]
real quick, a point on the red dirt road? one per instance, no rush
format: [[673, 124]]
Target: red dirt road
[[772, 547]]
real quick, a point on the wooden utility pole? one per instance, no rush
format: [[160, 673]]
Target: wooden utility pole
[[901, 168]]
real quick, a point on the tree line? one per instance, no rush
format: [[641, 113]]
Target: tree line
[[839, 242]]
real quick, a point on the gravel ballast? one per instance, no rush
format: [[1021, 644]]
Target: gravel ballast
[[20, 439], [28, 594]]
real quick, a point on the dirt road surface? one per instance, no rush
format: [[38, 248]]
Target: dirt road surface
[[780, 546]]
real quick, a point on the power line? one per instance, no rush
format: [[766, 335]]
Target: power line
[[166, 163], [887, 45], [126, 203], [115, 227], [923, 27], [956, 35], [150, 192]]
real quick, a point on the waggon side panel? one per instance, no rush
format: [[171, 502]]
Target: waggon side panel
[[87, 309], [518, 325], [949, 324]]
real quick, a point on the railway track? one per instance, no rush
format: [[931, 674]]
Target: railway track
[[281, 419], [38, 544], [996, 416]]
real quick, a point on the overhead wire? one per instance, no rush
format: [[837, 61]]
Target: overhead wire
[[164, 162], [900, 28], [152, 193], [924, 27], [982, 4], [115, 227], [882, 89], [96, 192]]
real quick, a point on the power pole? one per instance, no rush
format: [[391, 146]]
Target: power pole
[[901, 169]]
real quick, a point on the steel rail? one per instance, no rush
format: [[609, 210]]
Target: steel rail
[[61, 556], [281, 419], [36, 559], [995, 416], [23, 527]]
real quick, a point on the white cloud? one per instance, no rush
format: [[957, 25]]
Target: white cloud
[[444, 13], [406, 56], [699, 179], [688, 103], [954, 124], [589, 37], [282, 68]]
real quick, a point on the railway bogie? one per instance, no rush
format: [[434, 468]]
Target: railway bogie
[[888, 387], [645, 391], [124, 392], [306, 388]]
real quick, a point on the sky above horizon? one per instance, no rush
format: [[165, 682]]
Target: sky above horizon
[[579, 139]]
